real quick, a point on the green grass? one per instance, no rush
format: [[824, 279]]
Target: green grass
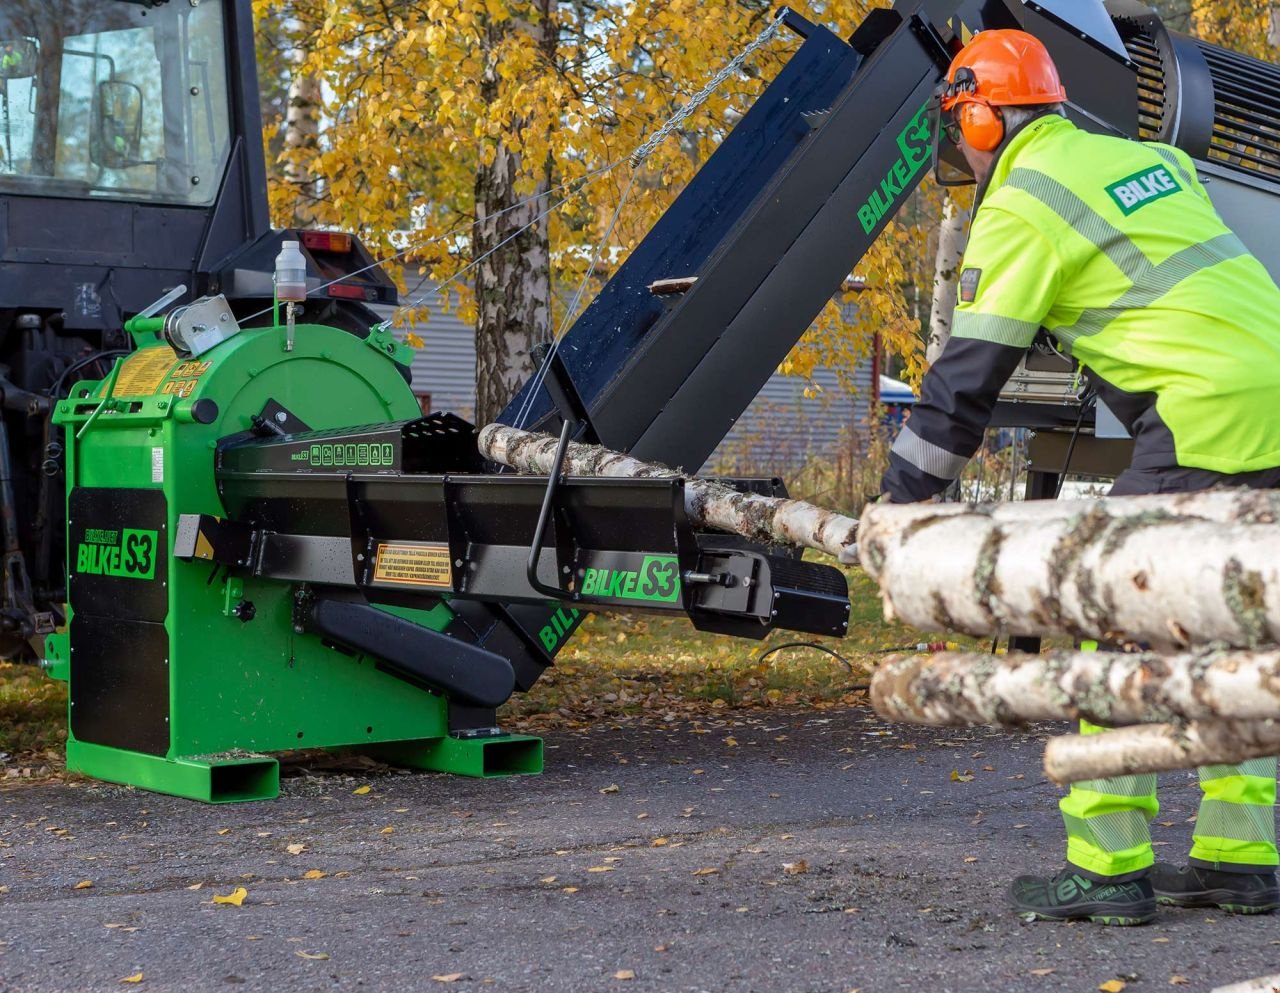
[[33, 711], [616, 664], [632, 663]]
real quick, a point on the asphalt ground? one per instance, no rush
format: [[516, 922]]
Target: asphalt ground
[[815, 852]]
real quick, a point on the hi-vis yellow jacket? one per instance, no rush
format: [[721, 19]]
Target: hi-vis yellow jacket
[[1114, 248]]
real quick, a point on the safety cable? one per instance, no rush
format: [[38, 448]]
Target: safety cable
[[540, 375], [585, 180]]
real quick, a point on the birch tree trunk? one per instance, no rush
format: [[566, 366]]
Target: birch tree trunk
[[1168, 571], [1158, 748], [765, 519], [1108, 688], [952, 236], [301, 142], [513, 285]]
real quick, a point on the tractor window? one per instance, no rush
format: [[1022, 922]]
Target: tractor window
[[113, 99]]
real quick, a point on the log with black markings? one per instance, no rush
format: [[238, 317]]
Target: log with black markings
[[769, 520], [1109, 688], [1071, 758], [1169, 571]]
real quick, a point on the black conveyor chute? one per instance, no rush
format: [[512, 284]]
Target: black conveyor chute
[[770, 226], [465, 672]]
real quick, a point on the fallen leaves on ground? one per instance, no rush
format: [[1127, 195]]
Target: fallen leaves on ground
[[705, 872], [601, 868], [235, 898], [1179, 981], [84, 884], [297, 848], [313, 874], [1042, 972], [795, 868], [1112, 986], [135, 978], [314, 956], [624, 974], [362, 790], [451, 977], [658, 842], [611, 788]]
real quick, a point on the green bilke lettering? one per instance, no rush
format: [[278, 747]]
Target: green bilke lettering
[[561, 624], [915, 144], [1136, 191], [656, 581], [134, 557]]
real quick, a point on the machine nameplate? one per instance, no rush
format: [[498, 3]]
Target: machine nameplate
[[144, 371], [412, 564]]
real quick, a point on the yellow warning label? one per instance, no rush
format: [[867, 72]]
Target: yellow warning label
[[192, 370], [413, 565], [143, 371], [180, 387]]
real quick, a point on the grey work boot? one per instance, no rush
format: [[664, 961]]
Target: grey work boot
[[1234, 892], [1071, 895]]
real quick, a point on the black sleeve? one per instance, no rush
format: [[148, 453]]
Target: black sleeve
[[946, 424]]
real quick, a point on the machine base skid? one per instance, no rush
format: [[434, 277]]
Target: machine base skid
[[212, 779], [216, 779], [482, 758]]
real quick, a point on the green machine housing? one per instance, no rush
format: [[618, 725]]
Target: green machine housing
[[269, 549]]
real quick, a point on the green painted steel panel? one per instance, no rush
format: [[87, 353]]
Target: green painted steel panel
[[255, 686]]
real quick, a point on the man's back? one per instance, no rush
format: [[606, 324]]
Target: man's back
[[1114, 247]]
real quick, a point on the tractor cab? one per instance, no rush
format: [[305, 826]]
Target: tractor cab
[[114, 100]]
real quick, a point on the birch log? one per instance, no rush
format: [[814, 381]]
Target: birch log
[[1171, 571], [1158, 748], [1109, 688], [708, 504]]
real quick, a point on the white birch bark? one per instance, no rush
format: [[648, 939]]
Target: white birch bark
[[301, 138], [952, 236], [760, 518], [1108, 688], [1158, 748], [513, 284], [1172, 572]]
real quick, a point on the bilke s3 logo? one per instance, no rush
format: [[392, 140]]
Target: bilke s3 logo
[[128, 554], [656, 581], [915, 147]]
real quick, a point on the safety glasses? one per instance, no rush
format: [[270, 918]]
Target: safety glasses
[[949, 166]]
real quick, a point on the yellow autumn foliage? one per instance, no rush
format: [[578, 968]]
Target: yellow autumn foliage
[[407, 123]]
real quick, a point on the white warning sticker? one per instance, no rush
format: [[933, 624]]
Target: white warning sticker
[[157, 465]]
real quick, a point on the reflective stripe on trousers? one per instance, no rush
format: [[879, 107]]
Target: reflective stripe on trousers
[[1107, 820]]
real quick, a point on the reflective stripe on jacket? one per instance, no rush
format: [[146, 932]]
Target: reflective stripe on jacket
[[1114, 248]]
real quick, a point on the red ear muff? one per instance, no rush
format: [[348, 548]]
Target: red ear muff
[[981, 125]]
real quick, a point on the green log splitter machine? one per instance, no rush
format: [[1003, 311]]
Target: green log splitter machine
[[269, 548]]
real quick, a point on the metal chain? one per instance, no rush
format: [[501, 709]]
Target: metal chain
[[699, 98]]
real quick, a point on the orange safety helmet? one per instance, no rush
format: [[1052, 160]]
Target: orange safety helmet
[[1003, 68]]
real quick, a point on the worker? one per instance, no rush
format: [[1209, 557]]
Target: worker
[[1113, 247]]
